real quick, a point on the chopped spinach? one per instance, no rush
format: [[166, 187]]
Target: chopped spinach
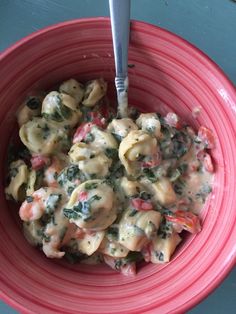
[[116, 170], [150, 175], [74, 257], [179, 186], [45, 131], [70, 174], [70, 189], [133, 212], [90, 186], [204, 191], [89, 138], [174, 174], [13, 172], [132, 257], [145, 196], [111, 153], [113, 233], [52, 202], [29, 199], [33, 103], [117, 137], [161, 256], [165, 228], [41, 233], [81, 210]]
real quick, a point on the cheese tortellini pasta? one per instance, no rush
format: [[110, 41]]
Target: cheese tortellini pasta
[[95, 188]]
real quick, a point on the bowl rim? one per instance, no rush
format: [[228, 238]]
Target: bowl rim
[[228, 266]]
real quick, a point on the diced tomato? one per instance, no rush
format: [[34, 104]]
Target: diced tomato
[[79, 233], [206, 136], [146, 253], [206, 160], [110, 261], [193, 166], [85, 128], [140, 204], [128, 269], [83, 196], [155, 161], [82, 131], [38, 162], [97, 119], [187, 220], [173, 120]]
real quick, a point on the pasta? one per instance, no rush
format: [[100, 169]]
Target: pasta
[[95, 188]]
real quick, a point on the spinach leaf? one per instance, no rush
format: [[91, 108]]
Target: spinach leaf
[[111, 153], [149, 174], [33, 103], [90, 186], [52, 202]]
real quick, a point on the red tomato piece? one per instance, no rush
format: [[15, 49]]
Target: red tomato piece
[[79, 233], [187, 220], [206, 160], [140, 204], [38, 162], [173, 120], [155, 161], [97, 119], [128, 269], [82, 131], [146, 253], [110, 261], [206, 136], [83, 196]]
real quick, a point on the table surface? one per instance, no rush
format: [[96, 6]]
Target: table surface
[[209, 25]]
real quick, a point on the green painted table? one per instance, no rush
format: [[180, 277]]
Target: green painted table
[[208, 24]]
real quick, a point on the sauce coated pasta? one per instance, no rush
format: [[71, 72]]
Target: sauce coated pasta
[[96, 188]]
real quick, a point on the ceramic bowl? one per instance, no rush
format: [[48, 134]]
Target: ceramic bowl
[[167, 74]]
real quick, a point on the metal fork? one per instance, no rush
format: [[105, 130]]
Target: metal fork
[[120, 25]]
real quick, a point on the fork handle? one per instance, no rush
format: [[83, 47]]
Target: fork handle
[[120, 25]]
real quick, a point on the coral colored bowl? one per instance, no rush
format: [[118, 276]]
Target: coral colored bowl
[[168, 73]]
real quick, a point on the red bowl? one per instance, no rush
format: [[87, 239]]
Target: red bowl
[[169, 74]]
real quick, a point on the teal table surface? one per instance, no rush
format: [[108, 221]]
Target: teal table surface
[[208, 24]]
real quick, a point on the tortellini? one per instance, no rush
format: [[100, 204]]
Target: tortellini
[[18, 180], [82, 151], [43, 138], [97, 166], [113, 248], [130, 188], [103, 139], [135, 145], [136, 229], [94, 91], [73, 88], [92, 205], [149, 122], [61, 108], [122, 127], [30, 108], [90, 242], [163, 248], [164, 192], [91, 161], [31, 182]]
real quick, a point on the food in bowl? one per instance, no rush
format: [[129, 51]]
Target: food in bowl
[[98, 188]]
